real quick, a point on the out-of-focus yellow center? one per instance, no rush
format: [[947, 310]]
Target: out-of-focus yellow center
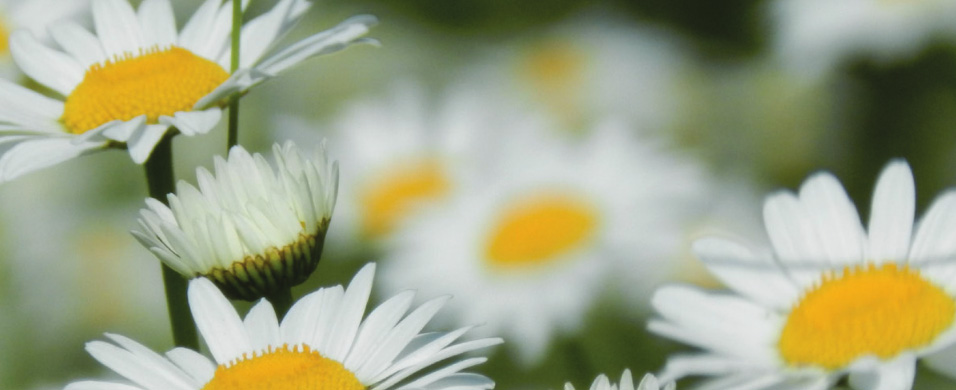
[[284, 369], [541, 228], [555, 67], [873, 310], [154, 83], [391, 197], [4, 39]]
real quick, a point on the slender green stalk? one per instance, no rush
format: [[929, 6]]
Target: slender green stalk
[[281, 301], [234, 65], [159, 179]]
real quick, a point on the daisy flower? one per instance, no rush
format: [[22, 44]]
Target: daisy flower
[[531, 240], [401, 153], [322, 343], [831, 299], [250, 228], [138, 77], [649, 382], [589, 69], [35, 16], [813, 36]]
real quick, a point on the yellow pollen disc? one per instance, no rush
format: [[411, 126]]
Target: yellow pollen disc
[[4, 39], [284, 369], [876, 310], [539, 229], [154, 83], [391, 198], [555, 68]]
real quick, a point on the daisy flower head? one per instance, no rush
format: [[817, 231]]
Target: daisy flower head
[[814, 36], [831, 299], [35, 16], [138, 76], [251, 228], [531, 241], [649, 382], [589, 69], [400, 154], [322, 343]]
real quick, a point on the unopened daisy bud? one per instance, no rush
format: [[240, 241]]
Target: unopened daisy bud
[[251, 228]]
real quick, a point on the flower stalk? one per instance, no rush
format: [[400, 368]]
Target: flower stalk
[[160, 180], [233, 138]]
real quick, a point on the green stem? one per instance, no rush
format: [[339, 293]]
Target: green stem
[[159, 179], [233, 139], [281, 300]]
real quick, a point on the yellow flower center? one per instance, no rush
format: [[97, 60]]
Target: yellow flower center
[[555, 68], [157, 82], [540, 229], [284, 369], [4, 39], [387, 201], [876, 310]]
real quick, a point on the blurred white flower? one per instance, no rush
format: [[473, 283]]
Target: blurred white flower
[[251, 228], [831, 299], [592, 68], [649, 382], [400, 154], [322, 343], [139, 77], [813, 36], [34, 16], [541, 225]]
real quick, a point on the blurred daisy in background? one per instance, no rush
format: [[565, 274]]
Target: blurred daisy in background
[[35, 16], [649, 382], [400, 153], [588, 69], [252, 228], [541, 224], [322, 343], [138, 77], [831, 299], [812, 37]]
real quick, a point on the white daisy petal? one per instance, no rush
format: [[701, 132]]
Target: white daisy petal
[[50, 67], [262, 326], [791, 230], [756, 277], [346, 326], [91, 385], [28, 111], [195, 34], [217, 321], [193, 122], [79, 43], [158, 23], [34, 154], [834, 217], [118, 28], [143, 140], [137, 370], [896, 374], [192, 363], [891, 218], [260, 33], [325, 42]]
